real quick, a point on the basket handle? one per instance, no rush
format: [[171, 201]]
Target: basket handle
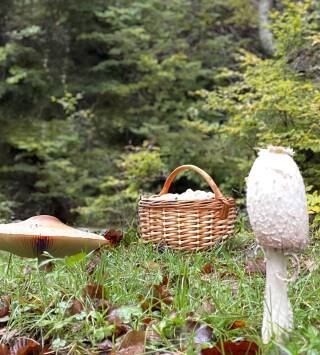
[[218, 195]]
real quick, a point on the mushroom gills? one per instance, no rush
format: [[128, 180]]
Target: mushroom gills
[[32, 237]]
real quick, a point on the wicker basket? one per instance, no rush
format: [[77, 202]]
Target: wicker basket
[[192, 224]]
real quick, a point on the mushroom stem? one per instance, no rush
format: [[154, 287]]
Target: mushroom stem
[[277, 317]]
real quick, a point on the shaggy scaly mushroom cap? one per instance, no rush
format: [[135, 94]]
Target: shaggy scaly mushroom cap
[[35, 235], [277, 209], [276, 201]]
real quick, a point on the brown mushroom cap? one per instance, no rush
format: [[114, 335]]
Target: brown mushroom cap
[[30, 238]]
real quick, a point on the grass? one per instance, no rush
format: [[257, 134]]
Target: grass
[[128, 272]]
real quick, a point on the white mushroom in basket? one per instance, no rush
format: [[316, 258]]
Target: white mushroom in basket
[[277, 207], [36, 235]]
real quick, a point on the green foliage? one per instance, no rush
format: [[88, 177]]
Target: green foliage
[[99, 101], [314, 206], [6, 208], [268, 101], [118, 195]]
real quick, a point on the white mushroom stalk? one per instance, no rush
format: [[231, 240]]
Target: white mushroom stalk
[[277, 208]]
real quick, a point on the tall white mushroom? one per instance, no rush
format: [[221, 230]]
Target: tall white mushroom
[[277, 207]]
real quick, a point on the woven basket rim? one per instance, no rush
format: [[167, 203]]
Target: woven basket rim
[[150, 198]]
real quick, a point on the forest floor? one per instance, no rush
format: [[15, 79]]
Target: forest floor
[[134, 298]]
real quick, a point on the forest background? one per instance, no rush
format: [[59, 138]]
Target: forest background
[[100, 100]]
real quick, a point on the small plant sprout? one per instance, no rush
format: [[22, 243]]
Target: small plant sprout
[[32, 237], [277, 207]]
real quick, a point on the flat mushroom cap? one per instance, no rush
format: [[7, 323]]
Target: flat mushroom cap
[[276, 200], [30, 238]]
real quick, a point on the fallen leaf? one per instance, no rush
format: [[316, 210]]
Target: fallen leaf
[[206, 307], [4, 350], [238, 324], [4, 306], [102, 305], [94, 262], [203, 334], [75, 308], [133, 338], [147, 320], [93, 291], [106, 345], [132, 350], [242, 347], [152, 336], [207, 269], [113, 236], [255, 266], [160, 294], [163, 294], [165, 281], [120, 328], [48, 267], [26, 346]]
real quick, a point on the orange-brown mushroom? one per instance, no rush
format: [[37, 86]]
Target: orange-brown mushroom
[[32, 237]]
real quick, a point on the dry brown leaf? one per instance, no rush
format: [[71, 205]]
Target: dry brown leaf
[[147, 320], [133, 338], [132, 350], [113, 236], [242, 347], [26, 346], [206, 307], [163, 294], [152, 335], [75, 308], [4, 306], [102, 305], [165, 281], [106, 345], [48, 267], [207, 269], [120, 328], [238, 324], [203, 334], [94, 291], [255, 266], [94, 262], [4, 350], [160, 294]]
